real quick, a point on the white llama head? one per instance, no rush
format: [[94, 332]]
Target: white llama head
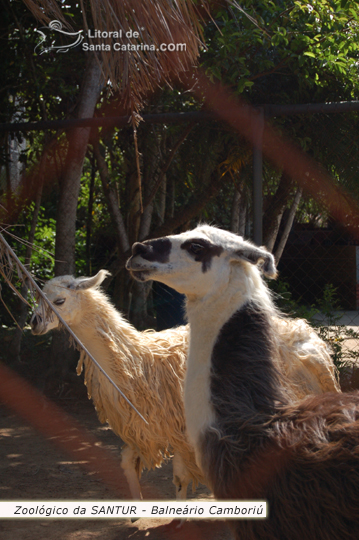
[[199, 261], [63, 292]]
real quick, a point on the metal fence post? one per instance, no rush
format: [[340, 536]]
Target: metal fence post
[[258, 127]]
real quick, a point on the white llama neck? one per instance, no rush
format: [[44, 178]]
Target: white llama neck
[[206, 317]]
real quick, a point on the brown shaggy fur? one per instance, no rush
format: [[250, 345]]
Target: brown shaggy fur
[[303, 458], [310, 479]]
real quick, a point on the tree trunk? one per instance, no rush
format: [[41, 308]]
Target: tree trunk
[[275, 208], [134, 215], [111, 196], [272, 239], [71, 177], [239, 210], [89, 218], [145, 224], [193, 207], [162, 200], [153, 185], [92, 84], [288, 225], [242, 215], [168, 162], [235, 211], [152, 151], [170, 196], [138, 314]]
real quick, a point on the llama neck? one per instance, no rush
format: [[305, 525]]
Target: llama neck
[[105, 333], [243, 375], [245, 393], [230, 373], [206, 317]]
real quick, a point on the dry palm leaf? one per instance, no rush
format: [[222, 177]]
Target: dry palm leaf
[[167, 43], [147, 62]]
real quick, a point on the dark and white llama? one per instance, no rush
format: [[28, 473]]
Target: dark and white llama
[[250, 440]]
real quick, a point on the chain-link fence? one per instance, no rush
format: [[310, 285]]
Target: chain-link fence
[[319, 267]]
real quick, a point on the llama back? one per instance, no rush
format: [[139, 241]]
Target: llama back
[[295, 456], [304, 358]]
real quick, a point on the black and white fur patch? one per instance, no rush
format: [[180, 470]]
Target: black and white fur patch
[[202, 251]]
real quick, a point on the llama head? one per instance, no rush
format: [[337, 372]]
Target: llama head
[[64, 292], [199, 261]]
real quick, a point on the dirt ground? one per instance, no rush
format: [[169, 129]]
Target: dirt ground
[[34, 468]]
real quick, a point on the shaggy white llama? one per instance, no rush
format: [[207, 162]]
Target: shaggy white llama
[[149, 368], [250, 440]]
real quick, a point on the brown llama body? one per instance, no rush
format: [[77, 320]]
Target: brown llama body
[[302, 458]]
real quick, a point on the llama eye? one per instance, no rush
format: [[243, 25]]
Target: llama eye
[[195, 248], [59, 301]]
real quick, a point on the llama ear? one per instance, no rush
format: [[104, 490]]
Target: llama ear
[[89, 282], [258, 256]]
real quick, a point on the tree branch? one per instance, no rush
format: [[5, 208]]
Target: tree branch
[[111, 197], [288, 225], [165, 167], [195, 205]]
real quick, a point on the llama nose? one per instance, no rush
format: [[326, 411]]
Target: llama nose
[[140, 249], [35, 320]]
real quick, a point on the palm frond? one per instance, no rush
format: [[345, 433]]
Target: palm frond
[[137, 71]]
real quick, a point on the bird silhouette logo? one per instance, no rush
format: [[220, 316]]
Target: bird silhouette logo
[[48, 43]]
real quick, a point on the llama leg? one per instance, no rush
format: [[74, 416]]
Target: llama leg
[[181, 479], [129, 464]]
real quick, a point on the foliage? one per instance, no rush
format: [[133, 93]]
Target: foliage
[[42, 260], [335, 334], [267, 48], [286, 303], [275, 52], [267, 51], [135, 71], [34, 86]]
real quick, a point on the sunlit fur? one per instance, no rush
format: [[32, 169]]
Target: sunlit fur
[[148, 367]]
